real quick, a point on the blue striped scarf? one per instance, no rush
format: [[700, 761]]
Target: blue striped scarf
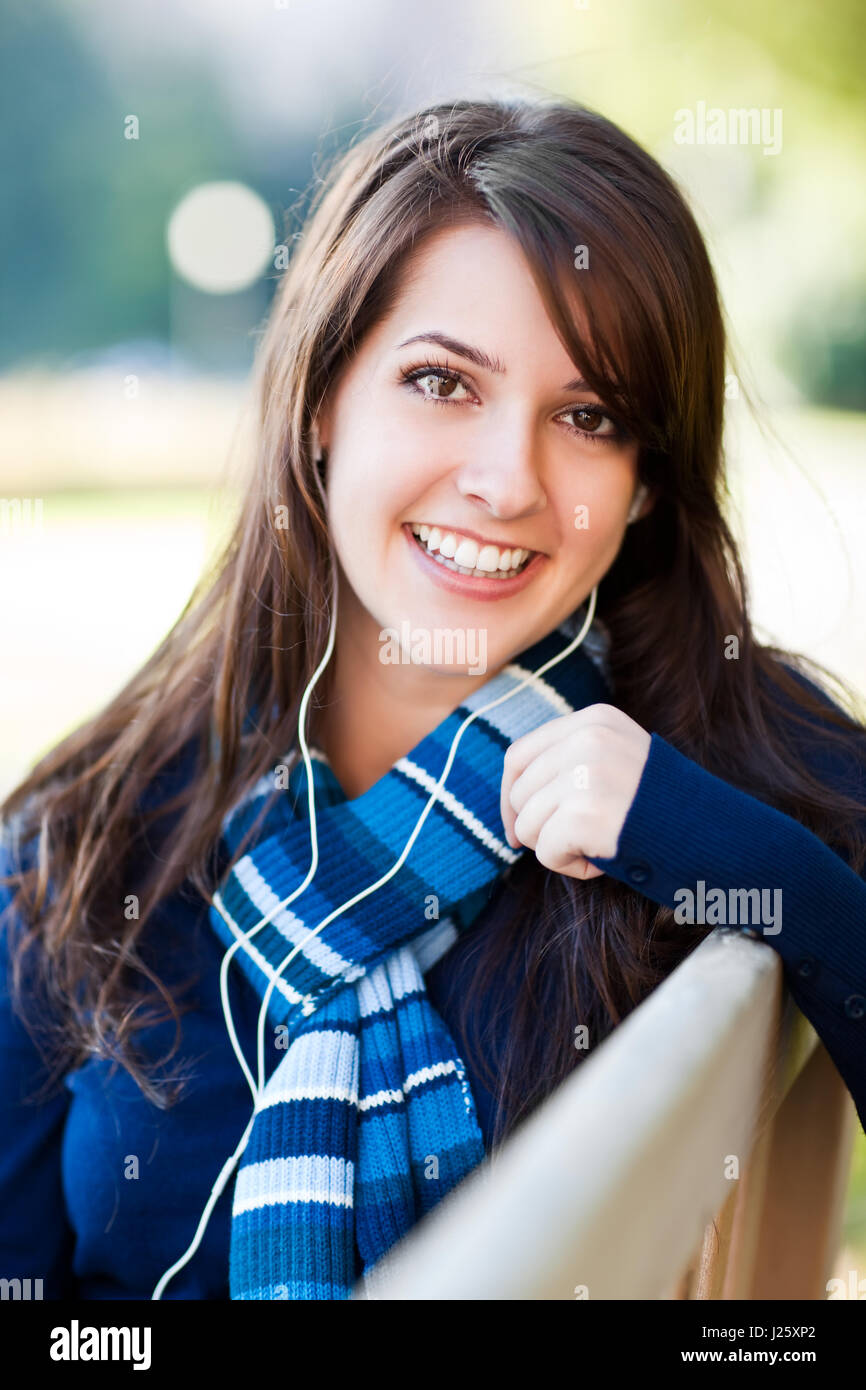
[[368, 1119]]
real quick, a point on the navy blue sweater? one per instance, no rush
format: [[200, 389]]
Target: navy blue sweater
[[100, 1191]]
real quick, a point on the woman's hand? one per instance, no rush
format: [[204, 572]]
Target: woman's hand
[[567, 787]]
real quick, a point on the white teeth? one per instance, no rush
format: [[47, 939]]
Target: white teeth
[[466, 556], [448, 546]]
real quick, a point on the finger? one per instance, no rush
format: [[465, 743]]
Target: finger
[[581, 868], [556, 850], [506, 812], [562, 762], [522, 751], [534, 814], [518, 756]]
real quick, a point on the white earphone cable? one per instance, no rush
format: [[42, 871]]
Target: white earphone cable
[[257, 1088]]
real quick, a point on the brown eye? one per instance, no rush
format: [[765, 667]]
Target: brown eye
[[593, 422], [436, 383], [446, 384], [589, 418]]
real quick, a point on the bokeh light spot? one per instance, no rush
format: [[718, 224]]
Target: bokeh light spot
[[220, 237]]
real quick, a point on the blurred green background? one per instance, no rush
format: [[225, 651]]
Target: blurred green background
[[133, 289]]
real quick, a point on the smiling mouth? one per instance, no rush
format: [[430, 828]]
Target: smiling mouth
[[449, 548]]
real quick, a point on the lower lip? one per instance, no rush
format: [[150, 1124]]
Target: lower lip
[[465, 584]]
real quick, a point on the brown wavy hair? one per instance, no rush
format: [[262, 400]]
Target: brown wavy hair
[[227, 680]]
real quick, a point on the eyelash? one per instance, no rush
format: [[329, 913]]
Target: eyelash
[[410, 375]]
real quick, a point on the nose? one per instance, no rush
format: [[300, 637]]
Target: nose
[[503, 475]]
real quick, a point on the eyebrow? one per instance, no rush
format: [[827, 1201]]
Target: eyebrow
[[480, 359]]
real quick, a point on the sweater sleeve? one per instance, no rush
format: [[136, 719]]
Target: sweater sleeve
[[36, 1240], [687, 832]]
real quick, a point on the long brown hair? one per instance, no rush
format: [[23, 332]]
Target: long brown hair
[[227, 680]]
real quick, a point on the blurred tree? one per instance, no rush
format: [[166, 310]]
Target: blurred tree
[[823, 46], [83, 261], [824, 349]]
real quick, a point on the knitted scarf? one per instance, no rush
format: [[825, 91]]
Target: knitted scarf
[[368, 1119]]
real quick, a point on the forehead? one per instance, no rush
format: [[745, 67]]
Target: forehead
[[474, 282]]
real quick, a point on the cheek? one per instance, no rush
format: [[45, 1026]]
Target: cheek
[[371, 492], [404, 484], [592, 507]]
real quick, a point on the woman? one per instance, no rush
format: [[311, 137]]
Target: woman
[[491, 395]]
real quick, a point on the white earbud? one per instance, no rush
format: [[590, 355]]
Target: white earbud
[[636, 504], [315, 443]]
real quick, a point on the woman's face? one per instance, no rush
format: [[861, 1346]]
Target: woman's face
[[489, 440]]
